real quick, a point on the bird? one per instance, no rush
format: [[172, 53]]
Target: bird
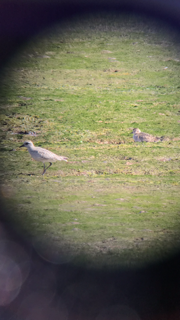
[[43, 155], [142, 136]]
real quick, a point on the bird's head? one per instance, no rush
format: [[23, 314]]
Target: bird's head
[[27, 144], [136, 130]]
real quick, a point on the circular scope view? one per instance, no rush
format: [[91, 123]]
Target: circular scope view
[[90, 140]]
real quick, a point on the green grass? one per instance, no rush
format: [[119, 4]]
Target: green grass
[[83, 89]]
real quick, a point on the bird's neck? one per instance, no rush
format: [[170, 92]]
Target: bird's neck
[[30, 148]]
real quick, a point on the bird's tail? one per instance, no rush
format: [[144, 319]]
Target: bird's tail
[[60, 158]]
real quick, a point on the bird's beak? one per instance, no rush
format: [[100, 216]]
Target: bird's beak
[[21, 146]]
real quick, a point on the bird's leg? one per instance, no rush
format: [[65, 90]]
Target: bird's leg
[[50, 164], [44, 169]]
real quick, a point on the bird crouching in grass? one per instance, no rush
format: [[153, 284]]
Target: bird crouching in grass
[[42, 155], [139, 136]]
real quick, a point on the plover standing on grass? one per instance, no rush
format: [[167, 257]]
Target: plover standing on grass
[[142, 136], [43, 155]]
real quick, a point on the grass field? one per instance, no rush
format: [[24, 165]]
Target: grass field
[[82, 89]]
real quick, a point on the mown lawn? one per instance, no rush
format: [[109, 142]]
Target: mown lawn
[[81, 89]]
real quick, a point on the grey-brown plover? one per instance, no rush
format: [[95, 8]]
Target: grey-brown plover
[[142, 136], [43, 155]]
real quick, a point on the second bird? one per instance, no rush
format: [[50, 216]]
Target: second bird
[[142, 136]]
